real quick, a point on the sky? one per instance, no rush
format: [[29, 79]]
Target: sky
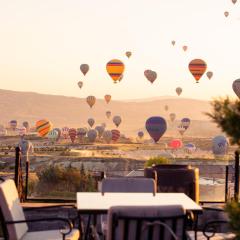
[[43, 43]]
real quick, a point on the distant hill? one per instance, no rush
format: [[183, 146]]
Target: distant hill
[[72, 111]]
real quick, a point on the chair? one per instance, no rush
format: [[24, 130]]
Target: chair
[[14, 222], [185, 180], [146, 223]]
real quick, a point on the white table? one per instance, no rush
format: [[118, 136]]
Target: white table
[[97, 203]]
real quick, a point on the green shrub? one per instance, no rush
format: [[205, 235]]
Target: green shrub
[[233, 210], [156, 161]]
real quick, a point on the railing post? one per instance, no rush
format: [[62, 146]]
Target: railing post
[[17, 164], [236, 184], [226, 183]]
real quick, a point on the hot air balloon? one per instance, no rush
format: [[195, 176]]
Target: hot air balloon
[[72, 134], [26, 125], [115, 69], [175, 144], [209, 75], [65, 132], [156, 127], [128, 54], [172, 116], [100, 130], [197, 67], [107, 98], [140, 134], [226, 14], [234, 1], [22, 131], [92, 135], [185, 123], [117, 120], [166, 108], [80, 84], [115, 135], [91, 101], [13, 124], [81, 133], [181, 130], [173, 43], [53, 135], [190, 147], [84, 68], [108, 114], [150, 75], [219, 145], [236, 87], [43, 127], [107, 136], [178, 91], [91, 122], [185, 48], [58, 130]]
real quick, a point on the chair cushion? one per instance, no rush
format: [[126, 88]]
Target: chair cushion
[[50, 235], [12, 209], [217, 236]]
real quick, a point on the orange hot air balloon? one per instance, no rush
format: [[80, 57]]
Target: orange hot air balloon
[[197, 67], [107, 98], [115, 69], [91, 101], [43, 127]]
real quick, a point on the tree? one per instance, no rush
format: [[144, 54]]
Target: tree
[[226, 114]]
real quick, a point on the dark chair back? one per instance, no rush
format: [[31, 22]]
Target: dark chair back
[[146, 223]]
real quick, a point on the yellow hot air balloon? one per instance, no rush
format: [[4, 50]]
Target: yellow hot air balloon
[[197, 67], [115, 69], [128, 54], [91, 101], [43, 127], [226, 14], [107, 98]]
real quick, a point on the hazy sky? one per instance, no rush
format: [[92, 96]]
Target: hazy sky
[[44, 42]]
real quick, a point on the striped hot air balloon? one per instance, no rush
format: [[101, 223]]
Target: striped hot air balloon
[[91, 101], [65, 132], [115, 135], [72, 134], [43, 127], [197, 67], [115, 69]]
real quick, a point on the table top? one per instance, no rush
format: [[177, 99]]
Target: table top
[[96, 202]]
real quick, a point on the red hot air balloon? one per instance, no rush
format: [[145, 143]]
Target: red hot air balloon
[[197, 67], [115, 135], [175, 144], [72, 134]]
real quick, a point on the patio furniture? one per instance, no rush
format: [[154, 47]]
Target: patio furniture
[[185, 180], [15, 225], [96, 203], [146, 223]]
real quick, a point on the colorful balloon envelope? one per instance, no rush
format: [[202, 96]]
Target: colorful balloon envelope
[[185, 123], [219, 145], [81, 133], [156, 127], [185, 48], [84, 68], [107, 136], [115, 69], [115, 135], [107, 98], [140, 134], [150, 75], [190, 147], [91, 100], [175, 144], [197, 67], [91, 122], [80, 84], [128, 54], [209, 74], [72, 134], [181, 130], [117, 120], [53, 135], [65, 131], [59, 133], [226, 14], [92, 135], [179, 91], [236, 87], [100, 130], [43, 127]]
